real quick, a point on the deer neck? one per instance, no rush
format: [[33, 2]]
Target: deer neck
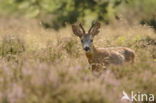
[[91, 53]]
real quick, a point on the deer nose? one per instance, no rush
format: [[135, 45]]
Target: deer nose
[[86, 48]]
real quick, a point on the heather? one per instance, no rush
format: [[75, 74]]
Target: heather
[[45, 66]]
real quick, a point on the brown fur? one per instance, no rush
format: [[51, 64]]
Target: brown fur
[[100, 58]]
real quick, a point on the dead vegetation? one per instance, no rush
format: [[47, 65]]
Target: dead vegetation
[[45, 66]]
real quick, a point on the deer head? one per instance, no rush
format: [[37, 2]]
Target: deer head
[[86, 38]]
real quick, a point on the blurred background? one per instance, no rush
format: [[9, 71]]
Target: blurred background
[[42, 61], [58, 13]]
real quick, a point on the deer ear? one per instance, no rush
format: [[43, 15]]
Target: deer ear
[[76, 30], [95, 29]]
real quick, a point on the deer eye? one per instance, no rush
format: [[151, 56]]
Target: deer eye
[[81, 41], [91, 40]]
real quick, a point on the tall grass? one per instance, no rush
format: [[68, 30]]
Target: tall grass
[[51, 67]]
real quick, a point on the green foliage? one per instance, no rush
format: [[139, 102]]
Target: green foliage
[[58, 13], [7, 7], [141, 11], [66, 11], [85, 11]]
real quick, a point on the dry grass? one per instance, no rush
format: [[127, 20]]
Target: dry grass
[[45, 66]]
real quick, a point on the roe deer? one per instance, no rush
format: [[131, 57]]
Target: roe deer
[[101, 56]]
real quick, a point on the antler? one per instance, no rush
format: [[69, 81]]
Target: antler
[[94, 29], [91, 27], [82, 28]]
